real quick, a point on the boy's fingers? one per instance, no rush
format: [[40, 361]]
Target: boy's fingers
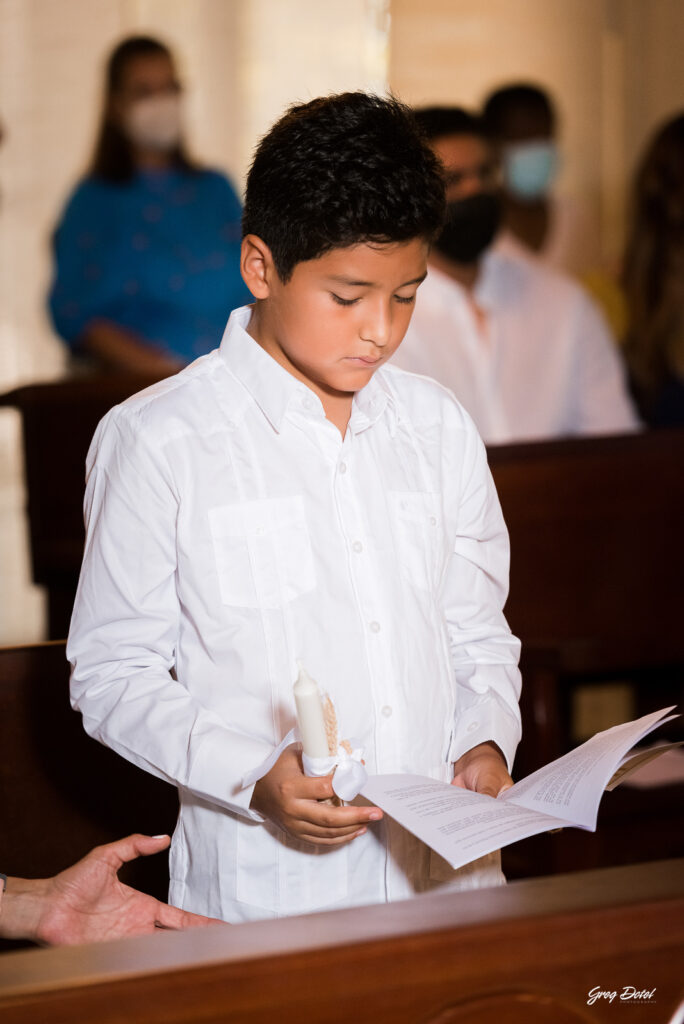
[[316, 788], [306, 827], [316, 840], [490, 783], [328, 816]]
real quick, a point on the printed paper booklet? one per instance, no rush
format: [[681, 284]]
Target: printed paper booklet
[[461, 825]]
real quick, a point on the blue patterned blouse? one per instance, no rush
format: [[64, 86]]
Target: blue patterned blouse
[[158, 255]]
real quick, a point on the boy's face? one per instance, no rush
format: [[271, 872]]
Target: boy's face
[[340, 316]]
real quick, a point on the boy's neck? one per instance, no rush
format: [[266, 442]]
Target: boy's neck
[[337, 405]]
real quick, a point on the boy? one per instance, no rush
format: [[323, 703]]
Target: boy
[[288, 497]]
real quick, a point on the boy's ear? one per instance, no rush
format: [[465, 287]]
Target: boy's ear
[[257, 266]]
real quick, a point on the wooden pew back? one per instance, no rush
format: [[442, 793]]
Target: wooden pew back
[[62, 792], [597, 558], [596, 593], [529, 953], [58, 420]]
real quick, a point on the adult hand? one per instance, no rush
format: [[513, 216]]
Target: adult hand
[[294, 802], [483, 769], [88, 903]]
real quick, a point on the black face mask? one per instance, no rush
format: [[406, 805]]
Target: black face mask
[[470, 227]]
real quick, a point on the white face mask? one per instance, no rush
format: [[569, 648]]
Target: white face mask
[[154, 122]]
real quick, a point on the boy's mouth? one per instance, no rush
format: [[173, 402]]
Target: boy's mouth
[[364, 360]]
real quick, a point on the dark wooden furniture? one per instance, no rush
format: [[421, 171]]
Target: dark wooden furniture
[[59, 419], [597, 592], [530, 953], [62, 793]]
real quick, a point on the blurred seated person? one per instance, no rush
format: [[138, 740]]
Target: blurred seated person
[[520, 345], [653, 279], [87, 902], [147, 250], [522, 123]]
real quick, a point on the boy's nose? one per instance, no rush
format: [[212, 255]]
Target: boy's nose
[[377, 325]]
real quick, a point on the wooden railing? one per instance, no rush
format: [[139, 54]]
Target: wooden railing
[[533, 952]]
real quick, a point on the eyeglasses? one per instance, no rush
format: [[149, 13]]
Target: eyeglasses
[[487, 174]]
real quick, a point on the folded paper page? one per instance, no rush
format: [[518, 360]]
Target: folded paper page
[[461, 825]]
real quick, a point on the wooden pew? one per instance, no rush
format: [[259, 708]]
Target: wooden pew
[[62, 792], [58, 420], [529, 953], [596, 593]]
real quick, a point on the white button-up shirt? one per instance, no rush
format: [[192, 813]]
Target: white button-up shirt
[[542, 364], [231, 531]]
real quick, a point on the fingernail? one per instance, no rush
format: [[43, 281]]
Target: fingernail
[[360, 832], [163, 835], [374, 816]]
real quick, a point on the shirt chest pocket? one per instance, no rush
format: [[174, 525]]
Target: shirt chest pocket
[[262, 551], [416, 526]]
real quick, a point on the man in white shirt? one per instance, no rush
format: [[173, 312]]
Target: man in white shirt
[[521, 346], [288, 497]]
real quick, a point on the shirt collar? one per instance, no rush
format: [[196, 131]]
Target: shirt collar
[[273, 388], [269, 383]]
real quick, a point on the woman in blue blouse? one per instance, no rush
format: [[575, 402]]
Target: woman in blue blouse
[[147, 250]]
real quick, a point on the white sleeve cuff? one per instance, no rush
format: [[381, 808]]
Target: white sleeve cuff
[[224, 753], [482, 725]]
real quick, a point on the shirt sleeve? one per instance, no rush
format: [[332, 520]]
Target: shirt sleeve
[[125, 625], [484, 653], [602, 401], [86, 283]]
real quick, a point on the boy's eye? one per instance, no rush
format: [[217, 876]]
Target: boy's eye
[[406, 299], [343, 302]]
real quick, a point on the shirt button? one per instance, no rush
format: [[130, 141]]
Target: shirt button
[[343, 467], [375, 627], [387, 711], [309, 403], [357, 546], [433, 520], [473, 726]]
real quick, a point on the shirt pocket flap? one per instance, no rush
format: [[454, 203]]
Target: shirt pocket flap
[[263, 551]]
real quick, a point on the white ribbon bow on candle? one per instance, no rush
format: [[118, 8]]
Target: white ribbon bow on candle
[[350, 775]]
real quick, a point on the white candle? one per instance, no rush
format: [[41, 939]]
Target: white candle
[[310, 715]]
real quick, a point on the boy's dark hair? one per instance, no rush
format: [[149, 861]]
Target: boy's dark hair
[[339, 171], [436, 122], [505, 103]]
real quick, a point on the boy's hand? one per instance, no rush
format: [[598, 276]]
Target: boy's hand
[[483, 769], [292, 800]]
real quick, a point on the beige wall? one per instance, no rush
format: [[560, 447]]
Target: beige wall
[[654, 86]]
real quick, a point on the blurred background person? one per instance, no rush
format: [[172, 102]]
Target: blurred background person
[[522, 346], [522, 122], [653, 279], [147, 249]]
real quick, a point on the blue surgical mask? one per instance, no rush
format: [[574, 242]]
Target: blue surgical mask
[[530, 167]]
